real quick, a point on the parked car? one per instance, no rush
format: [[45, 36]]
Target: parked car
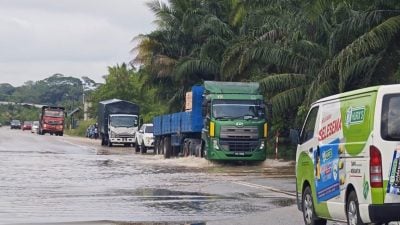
[[35, 127], [144, 138], [27, 125], [15, 124]]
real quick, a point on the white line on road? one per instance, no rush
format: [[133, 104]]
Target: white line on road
[[257, 186]]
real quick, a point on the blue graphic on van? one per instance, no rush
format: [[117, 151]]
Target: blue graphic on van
[[326, 159], [394, 175]]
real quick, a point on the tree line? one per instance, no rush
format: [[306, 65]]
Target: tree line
[[299, 50]]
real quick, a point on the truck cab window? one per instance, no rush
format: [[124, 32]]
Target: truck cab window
[[308, 130]]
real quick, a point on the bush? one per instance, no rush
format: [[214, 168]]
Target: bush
[[81, 129]]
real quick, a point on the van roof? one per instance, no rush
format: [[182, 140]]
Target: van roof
[[358, 91]]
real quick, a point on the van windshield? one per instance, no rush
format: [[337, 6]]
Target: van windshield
[[390, 124]]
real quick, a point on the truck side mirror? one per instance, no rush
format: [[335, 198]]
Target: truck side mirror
[[294, 136]]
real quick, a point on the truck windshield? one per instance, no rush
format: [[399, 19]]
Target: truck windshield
[[235, 109], [123, 121], [54, 113], [390, 124]]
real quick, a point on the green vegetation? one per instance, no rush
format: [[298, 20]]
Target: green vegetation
[[299, 50], [81, 129], [19, 112]]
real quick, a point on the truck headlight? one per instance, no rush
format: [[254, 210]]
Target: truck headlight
[[112, 134], [262, 145], [215, 144]]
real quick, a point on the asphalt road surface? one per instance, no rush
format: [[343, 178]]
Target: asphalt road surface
[[68, 180]]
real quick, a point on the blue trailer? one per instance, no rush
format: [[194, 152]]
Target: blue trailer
[[175, 132], [227, 121]]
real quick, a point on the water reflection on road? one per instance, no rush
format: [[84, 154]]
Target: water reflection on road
[[46, 179]]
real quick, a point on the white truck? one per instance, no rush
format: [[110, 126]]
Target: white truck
[[144, 138], [118, 122]]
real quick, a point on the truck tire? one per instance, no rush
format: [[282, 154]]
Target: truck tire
[[109, 143], [186, 151], [167, 147], [160, 146], [156, 146]]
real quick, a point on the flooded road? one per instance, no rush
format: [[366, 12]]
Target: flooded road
[[49, 179]]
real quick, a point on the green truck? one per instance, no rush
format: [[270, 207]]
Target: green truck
[[226, 122]]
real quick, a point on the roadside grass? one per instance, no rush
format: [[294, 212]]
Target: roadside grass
[[80, 131]]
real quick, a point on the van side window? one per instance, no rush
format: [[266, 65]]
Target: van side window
[[308, 130], [390, 123]]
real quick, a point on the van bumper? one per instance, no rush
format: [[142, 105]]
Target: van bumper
[[384, 213]]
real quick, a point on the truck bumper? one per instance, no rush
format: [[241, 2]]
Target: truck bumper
[[122, 140], [384, 213], [216, 155]]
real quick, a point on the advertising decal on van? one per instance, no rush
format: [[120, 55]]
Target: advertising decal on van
[[326, 171], [394, 179]]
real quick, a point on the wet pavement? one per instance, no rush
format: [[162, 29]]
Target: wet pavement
[[66, 180]]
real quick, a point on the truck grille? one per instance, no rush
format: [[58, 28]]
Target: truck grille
[[124, 135], [243, 133], [238, 145]]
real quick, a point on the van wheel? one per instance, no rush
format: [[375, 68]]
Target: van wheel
[[143, 149], [309, 216], [137, 149], [352, 210]]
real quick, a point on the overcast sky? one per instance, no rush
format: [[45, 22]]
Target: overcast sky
[[39, 38]]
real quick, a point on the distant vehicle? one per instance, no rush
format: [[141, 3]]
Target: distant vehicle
[[52, 120], [117, 121], [15, 124], [144, 138], [27, 125], [35, 127]]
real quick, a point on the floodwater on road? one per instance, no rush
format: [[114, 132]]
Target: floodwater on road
[[49, 179]]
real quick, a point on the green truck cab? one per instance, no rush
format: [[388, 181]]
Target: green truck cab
[[235, 125]]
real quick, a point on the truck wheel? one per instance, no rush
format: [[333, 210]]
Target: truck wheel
[[156, 146], [352, 210], [62, 134], [109, 143], [186, 151], [167, 147], [160, 146], [309, 216]]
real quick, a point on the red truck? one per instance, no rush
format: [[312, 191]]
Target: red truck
[[52, 120]]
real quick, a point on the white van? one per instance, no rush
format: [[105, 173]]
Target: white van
[[348, 158]]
